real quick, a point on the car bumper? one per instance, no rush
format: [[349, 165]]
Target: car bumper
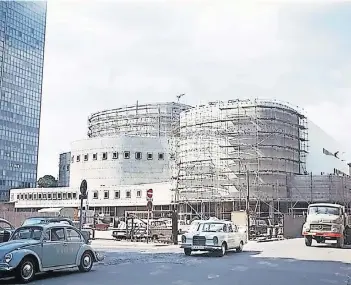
[[5, 270], [201, 248], [322, 234]]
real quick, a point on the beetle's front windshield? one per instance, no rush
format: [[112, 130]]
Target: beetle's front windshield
[[211, 227], [28, 233]]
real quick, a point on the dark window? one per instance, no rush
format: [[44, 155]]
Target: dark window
[[96, 195], [138, 155], [139, 193], [58, 234], [94, 156], [115, 155], [161, 156], [128, 194], [117, 195], [106, 194], [78, 158], [126, 154], [104, 155], [86, 157], [149, 156]]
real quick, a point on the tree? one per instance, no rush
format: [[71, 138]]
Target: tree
[[47, 181]]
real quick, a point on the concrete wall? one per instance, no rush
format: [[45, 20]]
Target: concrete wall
[[64, 169], [119, 170]]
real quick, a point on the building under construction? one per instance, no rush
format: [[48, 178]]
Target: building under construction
[[226, 148]]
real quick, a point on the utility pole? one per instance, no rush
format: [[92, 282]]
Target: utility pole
[[248, 203]]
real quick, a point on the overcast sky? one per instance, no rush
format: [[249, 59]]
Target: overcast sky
[[102, 55]]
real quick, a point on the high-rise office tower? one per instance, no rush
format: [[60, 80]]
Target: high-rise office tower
[[22, 41]]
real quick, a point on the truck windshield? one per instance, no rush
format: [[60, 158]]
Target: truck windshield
[[324, 210]]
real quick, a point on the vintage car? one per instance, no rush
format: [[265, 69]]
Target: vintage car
[[6, 229], [215, 236], [45, 248], [87, 233]]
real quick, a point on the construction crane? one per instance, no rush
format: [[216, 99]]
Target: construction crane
[[180, 96]]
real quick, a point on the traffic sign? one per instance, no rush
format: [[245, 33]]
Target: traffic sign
[[83, 188], [149, 193], [149, 205]]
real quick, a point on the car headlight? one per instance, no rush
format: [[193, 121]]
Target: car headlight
[[183, 239], [335, 228], [215, 240], [8, 257], [306, 228]]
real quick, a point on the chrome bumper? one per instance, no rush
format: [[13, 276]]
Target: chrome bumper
[[4, 267], [201, 247]]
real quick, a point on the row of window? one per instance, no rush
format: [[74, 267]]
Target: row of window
[[71, 196], [115, 155]]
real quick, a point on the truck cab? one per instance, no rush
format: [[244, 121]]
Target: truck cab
[[326, 221]]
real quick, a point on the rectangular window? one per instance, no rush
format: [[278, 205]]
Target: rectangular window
[[104, 155], [106, 194], [34, 196], [96, 195], [44, 196], [161, 156], [139, 194], [39, 196], [69, 195], [149, 156], [126, 154], [86, 157], [78, 158], [30, 196], [74, 195], [138, 155], [49, 196], [59, 196], [94, 156], [128, 194], [117, 195], [54, 196], [64, 196], [115, 155]]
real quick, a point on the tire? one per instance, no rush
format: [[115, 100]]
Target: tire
[[86, 262], [240, 247], [340, 242], [187, 251], [223, 250], [308, 240], [25, 271]]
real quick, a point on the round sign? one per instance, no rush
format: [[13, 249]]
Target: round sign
[[149, 193], [83, 187]]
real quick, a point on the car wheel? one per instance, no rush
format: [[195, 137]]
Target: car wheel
[[240, 247], [187, 251], [86, 262], [223, 250], [308, 240], [25, 271]]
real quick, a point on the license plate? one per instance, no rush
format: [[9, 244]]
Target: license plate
[[198, 247]]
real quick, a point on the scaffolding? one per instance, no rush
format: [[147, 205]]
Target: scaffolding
[[155, 120], [221, 141]]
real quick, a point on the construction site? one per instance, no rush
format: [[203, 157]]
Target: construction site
[[241, 152]]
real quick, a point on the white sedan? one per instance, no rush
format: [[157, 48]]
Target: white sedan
[[214, 236]]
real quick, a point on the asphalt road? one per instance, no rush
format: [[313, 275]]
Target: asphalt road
[[283, 262]]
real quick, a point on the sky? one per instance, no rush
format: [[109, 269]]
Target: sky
[[106, 54]]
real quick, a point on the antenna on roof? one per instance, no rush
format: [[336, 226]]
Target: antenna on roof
[[180, 96]]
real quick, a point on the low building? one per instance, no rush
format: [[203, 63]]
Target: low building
[[108, 200]]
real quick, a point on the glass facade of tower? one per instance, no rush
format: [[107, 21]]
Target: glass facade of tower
[[22, 41]]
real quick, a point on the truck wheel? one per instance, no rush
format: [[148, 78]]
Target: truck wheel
[[187, 251], [340, 242], [308, 240]]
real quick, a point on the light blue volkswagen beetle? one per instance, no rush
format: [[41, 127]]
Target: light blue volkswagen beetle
[[45, 248]]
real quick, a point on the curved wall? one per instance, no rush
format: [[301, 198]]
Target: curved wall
[[121, 160]]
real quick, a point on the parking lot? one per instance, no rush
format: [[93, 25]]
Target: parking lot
[[273, 263]]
